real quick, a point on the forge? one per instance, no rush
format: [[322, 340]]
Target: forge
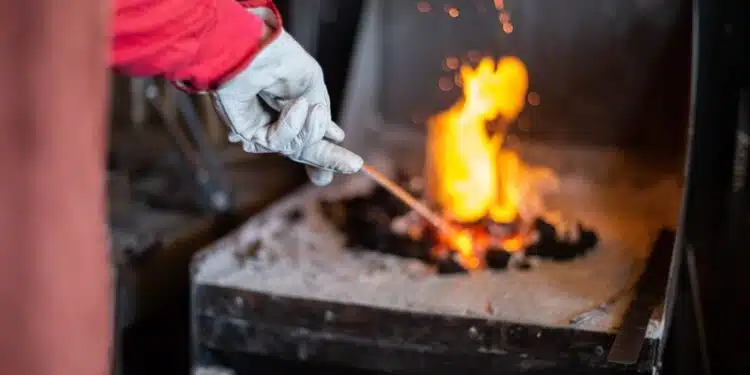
[[552, 144]]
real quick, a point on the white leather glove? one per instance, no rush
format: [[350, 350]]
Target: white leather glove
[[279, 103]]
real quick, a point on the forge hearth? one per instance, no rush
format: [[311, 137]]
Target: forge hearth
[[294, 261], [295, 250], [380, 221]]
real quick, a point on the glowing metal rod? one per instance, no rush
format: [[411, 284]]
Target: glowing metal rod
[[410, 201]]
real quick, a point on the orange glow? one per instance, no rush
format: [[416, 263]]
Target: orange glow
[[504, 16], [533, 98], [472, 176], [445, 84], [451, 63], [424, 6], [507, 28]]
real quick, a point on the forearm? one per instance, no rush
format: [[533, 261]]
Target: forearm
[[202, 42]]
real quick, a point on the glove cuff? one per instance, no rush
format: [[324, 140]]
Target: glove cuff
[[269, 14]]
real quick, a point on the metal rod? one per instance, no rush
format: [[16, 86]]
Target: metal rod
[[405, 197]]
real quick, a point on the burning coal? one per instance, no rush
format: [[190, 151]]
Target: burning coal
[[494, 202], [471, 177], [378, 221]]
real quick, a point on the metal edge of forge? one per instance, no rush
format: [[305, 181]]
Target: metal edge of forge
[[649, 294], [240, 321]]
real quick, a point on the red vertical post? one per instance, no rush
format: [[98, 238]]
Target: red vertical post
[[55, 288]]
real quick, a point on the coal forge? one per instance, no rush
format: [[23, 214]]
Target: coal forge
[[547, 169], [379, 221], [337, 244], [549, 234]]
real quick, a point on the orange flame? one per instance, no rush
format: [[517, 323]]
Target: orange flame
[[470, 176]]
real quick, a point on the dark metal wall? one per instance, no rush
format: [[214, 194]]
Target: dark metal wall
[[607, 72], [710, 324], [327, 29]]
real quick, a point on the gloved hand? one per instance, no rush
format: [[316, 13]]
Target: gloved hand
[[284, 78]]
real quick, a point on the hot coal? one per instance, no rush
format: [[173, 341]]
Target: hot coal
[[366, 222], [552, 247], [449, 266], [497, 259]]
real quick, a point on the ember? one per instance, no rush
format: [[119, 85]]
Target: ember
[[380, 222]]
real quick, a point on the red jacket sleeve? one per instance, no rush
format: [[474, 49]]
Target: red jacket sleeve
[[200, 42]]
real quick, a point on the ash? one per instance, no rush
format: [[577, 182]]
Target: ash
[[292, 250]]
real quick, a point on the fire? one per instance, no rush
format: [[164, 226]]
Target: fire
[[470, 175]]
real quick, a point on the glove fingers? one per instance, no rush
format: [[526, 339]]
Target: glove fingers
[[282, 135], [299, 126], [244, 117], [283, 93], [319, 177], [316, 126], [248, 146], [318, 116], [334, 132], [319, 125], [332, 157], [256, 148]]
